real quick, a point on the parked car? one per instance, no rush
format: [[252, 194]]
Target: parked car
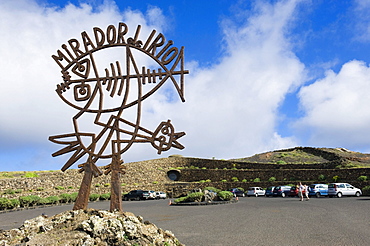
[[136, 195], [152, 194], [237, 192], [294, 191], [160, 195], [318, 190], [281, 191], [343, 189], [269, 191], [255, 191]]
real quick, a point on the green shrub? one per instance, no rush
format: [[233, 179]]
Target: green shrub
[[335, 178], [70, 187], [6, 175], [321, 177], [204, 168], [202, 181], [155, 182], [105, 196], [181, 199], [25, 201], [362, 178], [43, 201], [195, 197], [94, 197], [97, 185], [30, 175], [224, 180], [9, 191], [5, 203], [212, 189], [53, 199], [40, 189], [272, 179], [15, 202], [281, 162], [59, 187], [234, 179], [18, 191], [106, 184], [65, 198], [366, 190], [257, 180], [31, 200], [225, 195]]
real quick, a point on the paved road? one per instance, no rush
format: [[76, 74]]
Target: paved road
[[251, 221]]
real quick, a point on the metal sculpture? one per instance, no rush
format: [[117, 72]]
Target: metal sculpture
[[106, 90]]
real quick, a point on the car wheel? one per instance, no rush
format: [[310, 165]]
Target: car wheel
[[137, 198], [357, 194], [125, 198], [283, 194], [339, 195], [256, 195], [318, 194]]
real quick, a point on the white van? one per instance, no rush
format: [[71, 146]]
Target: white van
[[255, 191], [343, 189]]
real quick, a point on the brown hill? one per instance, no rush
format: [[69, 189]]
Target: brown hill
[[309, 155]]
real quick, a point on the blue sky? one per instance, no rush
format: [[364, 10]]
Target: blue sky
[[264, 75]]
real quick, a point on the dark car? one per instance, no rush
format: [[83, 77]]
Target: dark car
[[282, 191], [269, 191], [237, 192], [136, 195]]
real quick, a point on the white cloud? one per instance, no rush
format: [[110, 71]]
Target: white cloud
[[231, 108], [360, 17], [336, 108]]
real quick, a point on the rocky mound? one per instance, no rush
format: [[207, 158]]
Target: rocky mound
[[88, 227], [310, 155]]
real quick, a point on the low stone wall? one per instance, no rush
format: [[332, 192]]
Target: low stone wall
[[152, 175], [345, 175]]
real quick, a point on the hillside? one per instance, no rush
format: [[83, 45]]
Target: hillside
[[308, 155]]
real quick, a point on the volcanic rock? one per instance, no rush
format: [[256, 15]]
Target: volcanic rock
[[88, 227]]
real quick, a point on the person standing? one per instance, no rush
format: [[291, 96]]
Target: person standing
[[306, 192], [300, 191]]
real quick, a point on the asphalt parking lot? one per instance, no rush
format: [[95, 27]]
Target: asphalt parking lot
[[251, 221]]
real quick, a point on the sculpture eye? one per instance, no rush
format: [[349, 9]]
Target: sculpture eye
[[82, 92], [82, 68]]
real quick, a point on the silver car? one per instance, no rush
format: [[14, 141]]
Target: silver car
[[343, 189], [255, 191]]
